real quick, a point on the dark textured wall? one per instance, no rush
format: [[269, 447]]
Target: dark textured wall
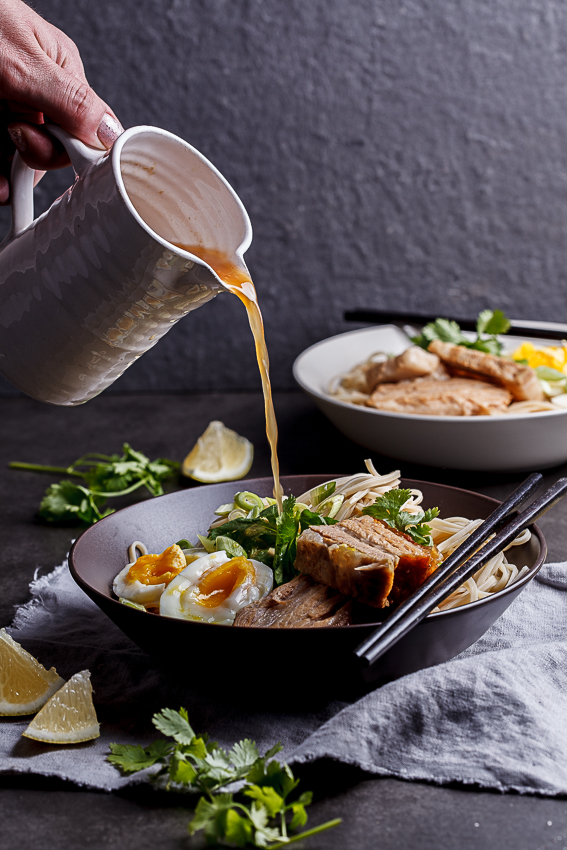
[[389, 152]]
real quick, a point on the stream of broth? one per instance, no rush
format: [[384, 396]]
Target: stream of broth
[[237, 280]]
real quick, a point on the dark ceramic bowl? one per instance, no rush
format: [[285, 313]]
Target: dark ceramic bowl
[[308, 655]]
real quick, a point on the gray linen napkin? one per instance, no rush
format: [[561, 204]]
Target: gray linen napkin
[[495, 716]]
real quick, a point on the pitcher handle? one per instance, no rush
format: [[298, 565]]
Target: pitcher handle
[[82, 158]]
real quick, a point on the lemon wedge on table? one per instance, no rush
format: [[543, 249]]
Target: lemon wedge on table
[[69, 717], [219, 455], [25, 684]]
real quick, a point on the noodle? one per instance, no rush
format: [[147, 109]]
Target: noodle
[[136, 545], [498, 573], [530, 407], [447, 534], [354, 492]]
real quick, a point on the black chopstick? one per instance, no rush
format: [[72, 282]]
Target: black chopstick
[[519, 327], [463, 552], [448, 577]]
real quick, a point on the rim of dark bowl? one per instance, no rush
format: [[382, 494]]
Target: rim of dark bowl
[[450, 612]]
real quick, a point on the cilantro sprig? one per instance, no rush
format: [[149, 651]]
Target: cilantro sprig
[[490, 322], [261, 814], [388, 508], [271, 537], [104, 477]]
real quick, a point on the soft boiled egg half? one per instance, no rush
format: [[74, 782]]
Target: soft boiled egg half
[[145, 580], [215, 587]]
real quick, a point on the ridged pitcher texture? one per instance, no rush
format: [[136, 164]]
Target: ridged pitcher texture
[[97, 280]]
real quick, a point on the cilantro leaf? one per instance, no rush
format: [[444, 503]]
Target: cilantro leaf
[[489, 345], [244, 755], [181, 771], [298, 810], [104, 476], [130, 758], [210, 815], [238, 829], [388, 508], [271, 537], [266, 795], [443, 329], [175, 724], [492, 322], [69, 501], [258, 533], [259, 816], [308, 518], [288, 528]]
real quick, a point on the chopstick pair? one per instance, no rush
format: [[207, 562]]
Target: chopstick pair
[[462, 564]]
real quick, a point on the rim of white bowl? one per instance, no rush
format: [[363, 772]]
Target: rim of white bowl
[[496, 417]]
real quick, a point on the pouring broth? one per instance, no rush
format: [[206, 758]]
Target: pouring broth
[[238, 281]]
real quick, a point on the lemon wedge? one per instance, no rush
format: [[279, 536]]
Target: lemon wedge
[[69, 717], [25, 684], [219, 455]]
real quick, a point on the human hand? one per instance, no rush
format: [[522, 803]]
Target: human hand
[[42, 76]]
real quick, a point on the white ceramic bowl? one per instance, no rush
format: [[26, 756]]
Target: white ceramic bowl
[[521, 442]]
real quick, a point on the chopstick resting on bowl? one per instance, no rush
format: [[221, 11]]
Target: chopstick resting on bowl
[[466, 560], [518, 327]]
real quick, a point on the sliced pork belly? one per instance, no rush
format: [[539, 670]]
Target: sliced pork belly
[[454, 397], [365, 559], [301, 603], [521, 381], [414, 362]]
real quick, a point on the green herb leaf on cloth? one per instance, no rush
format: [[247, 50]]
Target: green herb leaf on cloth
[[260, 815]]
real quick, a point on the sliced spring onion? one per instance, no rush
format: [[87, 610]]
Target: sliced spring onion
[[247, 500], [331, 506], [131, 604], [322, 492], [547, 373], [184, 544], [552, 388], [236, 514], [224, 510], [208, 545], [255, 512], [230, 546], [269, 501]]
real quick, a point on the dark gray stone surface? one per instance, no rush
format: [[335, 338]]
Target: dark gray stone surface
[[396, 153], [389, 814]]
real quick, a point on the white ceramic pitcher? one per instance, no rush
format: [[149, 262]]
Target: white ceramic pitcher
[[96, 281]]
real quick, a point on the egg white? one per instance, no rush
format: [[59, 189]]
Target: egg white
[[180, 597], [135, 591]]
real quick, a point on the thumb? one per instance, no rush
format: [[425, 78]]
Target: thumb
[[68, 100]]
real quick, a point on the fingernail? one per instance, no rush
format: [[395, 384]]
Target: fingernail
[[108, 130], [19, 139]]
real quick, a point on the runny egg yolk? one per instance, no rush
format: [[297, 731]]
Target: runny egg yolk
[[217, 584], [158, 569]]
